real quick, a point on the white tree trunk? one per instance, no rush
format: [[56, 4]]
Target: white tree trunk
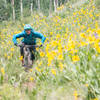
[[66, 1], [60, 3], [12, 1], [50, 7], [39, 5], [57, 2], [55, 5], [6, 3], [31, 8], [21, 9]]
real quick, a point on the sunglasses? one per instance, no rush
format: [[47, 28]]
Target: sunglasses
[[28, 30]]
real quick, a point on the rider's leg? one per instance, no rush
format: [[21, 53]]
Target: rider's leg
[[32, 55], [22, 53]]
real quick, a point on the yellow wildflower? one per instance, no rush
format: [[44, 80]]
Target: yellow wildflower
[[37, 49], [31, 70], [61, 66], [86, 85], [2, 71], [96, 99], [98, 31], [91, 39], [58, 36], [83, 35], [49, 61], [5, 55], [11, 54], [54, 43], [73, 51], [42, 54], [75, 58], [38, 69], [40, 63], [98, 49], [31, 79], [66, 30], [75, 95], [65, 36], [82, 43], [96, 55], [60, 57], [53, 71], [71, 45], [54, 53], [51, 33], [60, 50], [21, 58], [8, 57]]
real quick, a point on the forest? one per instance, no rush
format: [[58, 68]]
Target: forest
[[17, 9]]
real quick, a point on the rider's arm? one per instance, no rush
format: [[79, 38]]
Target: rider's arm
[[41, 36], [17, 36]]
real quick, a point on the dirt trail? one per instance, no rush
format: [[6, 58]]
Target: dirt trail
[[29, 85]]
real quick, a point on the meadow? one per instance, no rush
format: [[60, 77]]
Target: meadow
[[68, 64]]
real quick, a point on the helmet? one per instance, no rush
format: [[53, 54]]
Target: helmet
[[27, 26]]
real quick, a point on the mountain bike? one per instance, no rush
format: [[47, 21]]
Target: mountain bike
[[29, 55]]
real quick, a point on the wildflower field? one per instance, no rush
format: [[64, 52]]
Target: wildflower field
[[68, 64]]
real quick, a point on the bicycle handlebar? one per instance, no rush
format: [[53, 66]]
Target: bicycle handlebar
[[28, 46]]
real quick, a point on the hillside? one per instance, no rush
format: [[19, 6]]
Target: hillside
[[68, 67]]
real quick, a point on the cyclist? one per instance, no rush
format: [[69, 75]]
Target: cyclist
[[29, 38]]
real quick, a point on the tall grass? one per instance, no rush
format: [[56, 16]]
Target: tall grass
[[68, 67]]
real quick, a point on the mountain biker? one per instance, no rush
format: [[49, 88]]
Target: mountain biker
[[29, 38]]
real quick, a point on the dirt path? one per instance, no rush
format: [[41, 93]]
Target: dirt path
[[28, 85]]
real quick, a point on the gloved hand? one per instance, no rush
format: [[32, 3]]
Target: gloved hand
[[41, 45], [15, 44]]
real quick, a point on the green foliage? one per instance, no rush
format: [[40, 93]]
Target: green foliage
[[98, 3], [8, 92], [26, 12], [5, 10], [1, 79]]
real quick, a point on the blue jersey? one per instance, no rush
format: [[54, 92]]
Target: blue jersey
[[29, 39]]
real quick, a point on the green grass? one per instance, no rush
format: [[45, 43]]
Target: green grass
[[63, 79]]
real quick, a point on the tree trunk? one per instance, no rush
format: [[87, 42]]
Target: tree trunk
[[31, 8], [6, 3], [50, 7], [39, 5], [57, 2], [12, 1], [55, 5], [21, 9], [66, 1]]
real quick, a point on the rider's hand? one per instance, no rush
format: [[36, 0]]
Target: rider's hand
[[41, 45], [15, 44]]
